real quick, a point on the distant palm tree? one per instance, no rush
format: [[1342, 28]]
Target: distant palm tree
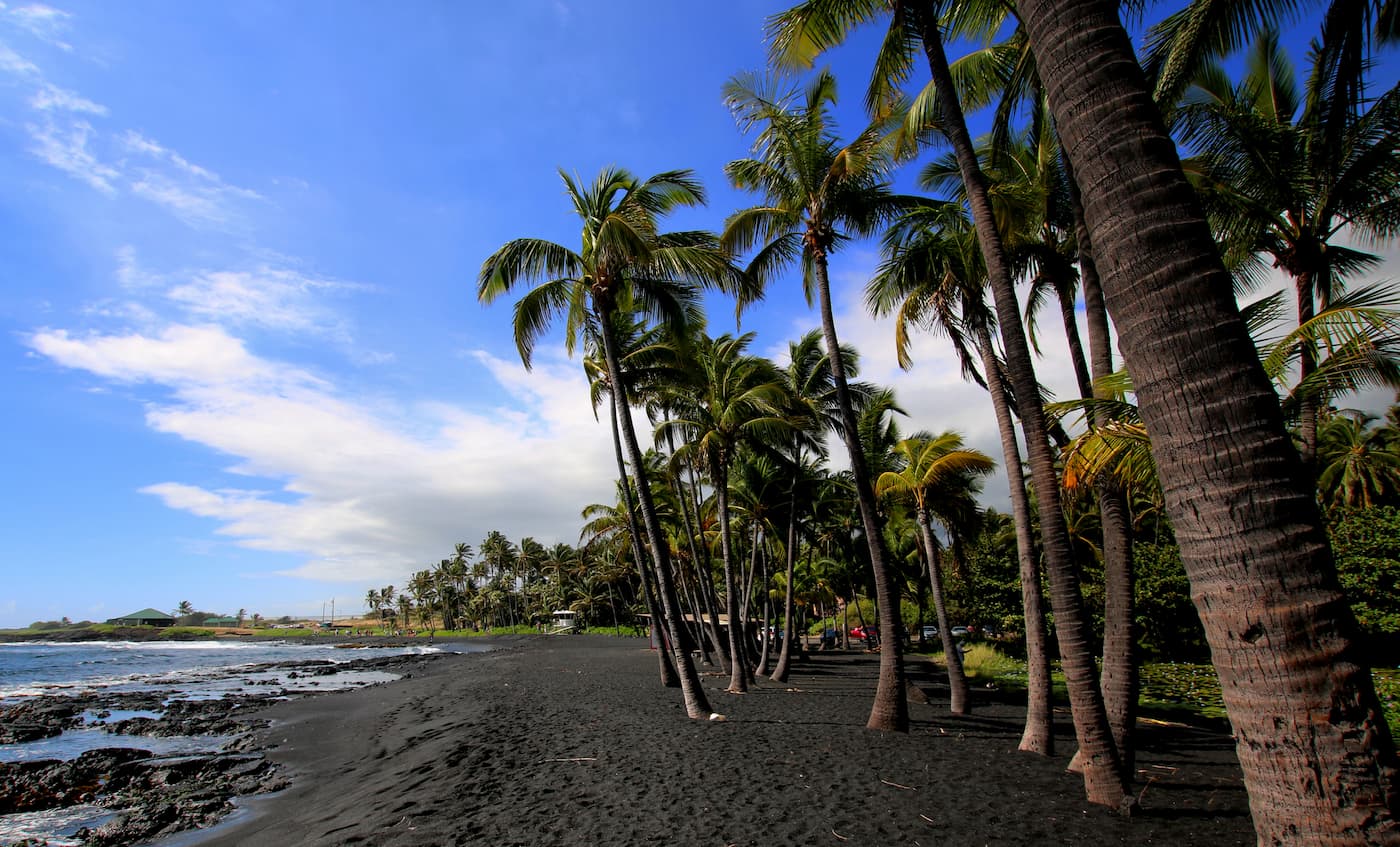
[[625, 265], [931, 464], [739, 400]]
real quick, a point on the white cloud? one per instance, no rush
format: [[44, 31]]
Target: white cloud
[[66, 148], [194, 194], [278, 299], [52, 98], [43, 22], [367, 490], [13, 63]]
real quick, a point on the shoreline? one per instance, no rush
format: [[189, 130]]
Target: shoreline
[[154, 769], [573, 741]]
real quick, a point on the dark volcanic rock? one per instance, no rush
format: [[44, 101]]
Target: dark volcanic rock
[[42, 717], [158, 796], [49, 783]]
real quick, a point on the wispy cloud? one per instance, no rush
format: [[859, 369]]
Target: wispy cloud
[[277, 299], [281, 300], [194, 194], [13, 63], [365, 489], [43, 22], [52, 98], [67, 148]]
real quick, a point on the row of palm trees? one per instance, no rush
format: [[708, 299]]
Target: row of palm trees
[[504, 584], [1091, 193]]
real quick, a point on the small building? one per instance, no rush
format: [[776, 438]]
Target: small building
[[565, 620], [145, 617], [223, 620]]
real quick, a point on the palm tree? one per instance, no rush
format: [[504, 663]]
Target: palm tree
[[738, 401], [930, 463], [645, 358], [1359, 467], [185, 608], [373, 602], [932, 276], [1284, 172], [1281, 634], [624, 264], [802, 33], [812, 405], [817, 195]]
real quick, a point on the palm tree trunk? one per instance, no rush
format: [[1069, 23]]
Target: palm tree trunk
[[890, 711], [704, 575], [683, 501], [1119, 679], [696, 704], [1104, 780], [1039, 734], [1317, 756], [959, 703], [780, 673], [665, 667], [1307, 364], [738, 655], [1076, 346]]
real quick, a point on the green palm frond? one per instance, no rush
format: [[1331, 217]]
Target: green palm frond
[[525, 259]]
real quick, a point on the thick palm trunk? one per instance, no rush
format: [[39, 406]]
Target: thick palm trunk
[[890, 711], [1317, 756], [780, 673], [665, 667], [1104, 780], [696, 704], [1039, 734], [738, 654], [959, 703], [1119, 679]]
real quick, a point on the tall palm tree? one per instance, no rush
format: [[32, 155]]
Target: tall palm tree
[[1281, 633], [932, 277], [802, 33], [817, 195], [625, 263], [739, 400], [930, 462], [1285, 172]]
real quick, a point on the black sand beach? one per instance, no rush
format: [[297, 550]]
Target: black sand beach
[[571, 740]]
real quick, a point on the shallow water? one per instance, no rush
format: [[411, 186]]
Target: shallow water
[[195, 670], [54, 825]]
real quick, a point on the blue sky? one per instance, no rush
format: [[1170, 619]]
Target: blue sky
[[239, 344]]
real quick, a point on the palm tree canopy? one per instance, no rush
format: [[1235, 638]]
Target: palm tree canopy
[[928, 462], [624, 262], [817, 193]]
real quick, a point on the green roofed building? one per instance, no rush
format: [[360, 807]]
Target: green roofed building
[[145, 617], [223, 620]]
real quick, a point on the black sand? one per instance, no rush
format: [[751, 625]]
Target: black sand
[[572, 741]]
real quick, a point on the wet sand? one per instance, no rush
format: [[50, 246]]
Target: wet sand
[[572, 741]]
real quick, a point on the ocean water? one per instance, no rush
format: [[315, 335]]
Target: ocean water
[[173, 670]]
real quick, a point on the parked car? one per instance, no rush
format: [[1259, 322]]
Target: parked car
[[869, 633], [928, 633], [960, 632]]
